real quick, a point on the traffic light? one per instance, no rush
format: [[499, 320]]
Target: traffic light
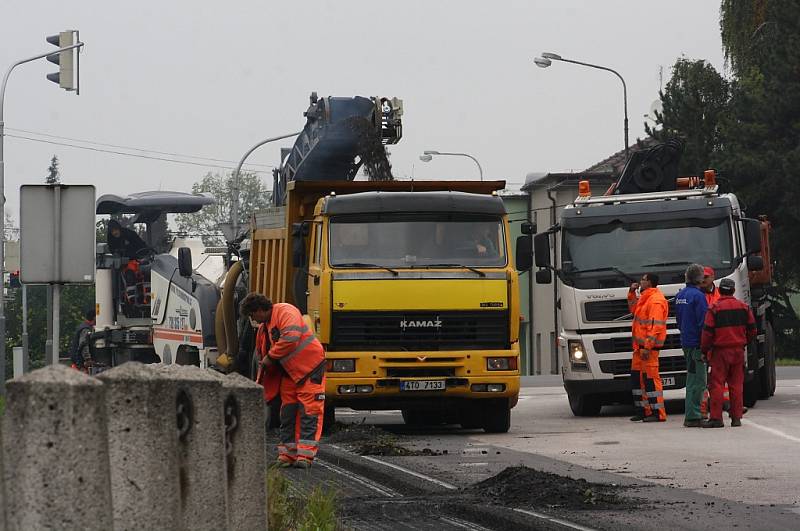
[[13, 280], [67, 61]]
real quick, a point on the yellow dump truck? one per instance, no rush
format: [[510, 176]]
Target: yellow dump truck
[[411, 289]]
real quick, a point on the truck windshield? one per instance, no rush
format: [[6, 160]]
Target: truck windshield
[[663, 247], [417, 240]]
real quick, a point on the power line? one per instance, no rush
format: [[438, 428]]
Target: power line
[[137, 155], [117, 146]]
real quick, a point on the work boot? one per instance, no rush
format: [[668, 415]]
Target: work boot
[[694, 423], [735, 423], [302, 463], [652, 418], [713, 423], [283, 462]]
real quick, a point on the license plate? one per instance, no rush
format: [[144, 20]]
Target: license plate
[[667, 380], [422, 385]]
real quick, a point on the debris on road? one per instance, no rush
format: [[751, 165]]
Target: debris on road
[[526, 486], [364, 439]]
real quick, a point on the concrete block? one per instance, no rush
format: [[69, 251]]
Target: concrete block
[[246, 452], [55, 452], [201, 448], [143, 447]]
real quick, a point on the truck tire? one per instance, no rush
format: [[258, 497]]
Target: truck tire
[[328, 420], [766, 374], [751, 391], [273, 411], [497, 419], [585, 405]]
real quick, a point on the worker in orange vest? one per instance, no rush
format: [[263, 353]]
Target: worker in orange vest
[[708, 286], [649, 328], [292, 364]]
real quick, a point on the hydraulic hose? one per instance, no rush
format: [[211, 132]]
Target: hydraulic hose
[[219, 330], [228, 310]]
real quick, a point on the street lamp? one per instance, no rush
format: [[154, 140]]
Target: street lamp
[[547, 59], [236, 184], [427, 156], [65, 80]]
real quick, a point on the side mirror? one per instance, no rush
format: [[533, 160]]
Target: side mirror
[[755, 262], [541, 250], [544, 276], [185, 262], [752, 235], [524, 253], [299, 233], [528, 228]]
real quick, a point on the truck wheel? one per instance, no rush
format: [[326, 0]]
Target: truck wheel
[[497, 419], [585, 405], [751, 391], [328, 420], [766, 375], [273, 411]]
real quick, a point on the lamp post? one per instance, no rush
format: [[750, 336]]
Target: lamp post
[[427, 156], [236, 183], [547, 59], [66, 83]]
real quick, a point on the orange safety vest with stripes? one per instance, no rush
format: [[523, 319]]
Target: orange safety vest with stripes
[[650, 313], [293, 344]]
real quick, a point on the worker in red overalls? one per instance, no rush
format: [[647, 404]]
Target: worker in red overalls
[[292, 364]]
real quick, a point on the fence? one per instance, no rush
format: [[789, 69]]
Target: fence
[[137, 447]]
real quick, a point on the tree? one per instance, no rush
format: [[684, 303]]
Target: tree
[[694, 101], [53, 173], [253, 195]]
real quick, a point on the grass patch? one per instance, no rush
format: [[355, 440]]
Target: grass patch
[[316, 511], [787, 362]]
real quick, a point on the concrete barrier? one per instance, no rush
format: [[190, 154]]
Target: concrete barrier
[[142, 447], [55, 452], [138, 447], [201, 446], [245, 450]]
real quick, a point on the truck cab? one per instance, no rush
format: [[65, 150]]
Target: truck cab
[[604, 243]]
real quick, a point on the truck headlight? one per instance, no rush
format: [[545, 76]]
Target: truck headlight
[[342, 365], [577, 354], [501, 364]]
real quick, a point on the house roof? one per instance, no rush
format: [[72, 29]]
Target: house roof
[[616, 162], [537, 180]]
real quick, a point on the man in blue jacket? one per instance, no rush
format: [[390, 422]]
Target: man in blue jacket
[[690, 311]]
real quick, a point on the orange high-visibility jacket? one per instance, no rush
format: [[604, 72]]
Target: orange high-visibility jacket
[[712, 297], [294, 345], [649, 319]]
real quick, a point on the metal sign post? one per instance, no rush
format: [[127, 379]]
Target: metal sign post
[[63, 215]]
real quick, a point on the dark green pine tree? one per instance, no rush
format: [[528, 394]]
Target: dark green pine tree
[[694, 100], [53, 173]]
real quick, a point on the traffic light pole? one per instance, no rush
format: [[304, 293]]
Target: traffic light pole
[[3, 208]]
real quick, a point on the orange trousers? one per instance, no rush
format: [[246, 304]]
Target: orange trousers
[[302, 411], [648, 393]]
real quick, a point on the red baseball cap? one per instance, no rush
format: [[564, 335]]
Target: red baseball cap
[[708, 272]]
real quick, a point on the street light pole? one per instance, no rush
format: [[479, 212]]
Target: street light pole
[[3, 207], [237, 185], [428, 155], [545, 60]]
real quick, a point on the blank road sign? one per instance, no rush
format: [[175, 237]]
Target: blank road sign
[[57, 217]]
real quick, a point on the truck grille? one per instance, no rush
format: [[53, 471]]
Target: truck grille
[[666, 364], [612, 309], [420, 331], [623, 344]]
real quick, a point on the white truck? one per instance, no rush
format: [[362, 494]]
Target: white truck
[[603, 243]]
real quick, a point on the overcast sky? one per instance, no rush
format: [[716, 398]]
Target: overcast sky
[[210, 79]]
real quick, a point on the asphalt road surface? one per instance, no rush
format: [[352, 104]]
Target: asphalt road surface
[[694, 478]]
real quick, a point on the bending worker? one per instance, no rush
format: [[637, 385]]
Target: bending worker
[[649, 329], [293, 364]]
